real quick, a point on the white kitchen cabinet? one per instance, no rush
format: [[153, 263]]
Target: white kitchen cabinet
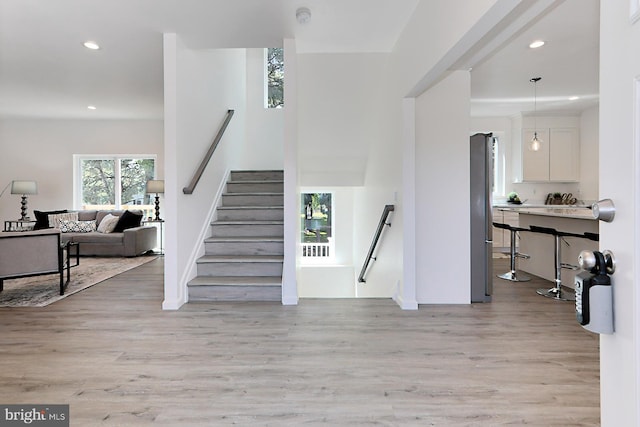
[[535, 164], [564, 155], [558, 158]]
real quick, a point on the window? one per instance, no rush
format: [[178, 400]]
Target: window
[[113, 182], [498, 161], [274, 77], [316, 225]]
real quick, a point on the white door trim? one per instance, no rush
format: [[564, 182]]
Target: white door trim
[[636, 228]]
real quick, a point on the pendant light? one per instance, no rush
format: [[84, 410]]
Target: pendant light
[[536, 143]]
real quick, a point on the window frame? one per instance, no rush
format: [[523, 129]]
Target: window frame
[[266, 79], [117, 158], [499, 167], [318, 260]]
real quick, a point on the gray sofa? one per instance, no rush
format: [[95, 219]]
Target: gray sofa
[[131, 242]]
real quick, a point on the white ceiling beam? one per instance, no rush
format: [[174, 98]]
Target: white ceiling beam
[[501, 23]]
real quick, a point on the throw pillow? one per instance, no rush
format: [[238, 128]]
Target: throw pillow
[[68, 226], [42, 218], [128, 220], [54, 219], [108, 223]]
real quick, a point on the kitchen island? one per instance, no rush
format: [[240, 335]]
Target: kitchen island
[[539, 246]]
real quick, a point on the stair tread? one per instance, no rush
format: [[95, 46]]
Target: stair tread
[[240, 258], [254, 193], [236, 281], [249, 222], [256, 170], [256, 181], [259, 193], [235, 239], [250, 207]]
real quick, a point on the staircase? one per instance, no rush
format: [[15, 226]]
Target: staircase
[[244, 254]]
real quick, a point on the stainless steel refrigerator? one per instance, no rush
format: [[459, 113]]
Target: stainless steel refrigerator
[[481, 219]]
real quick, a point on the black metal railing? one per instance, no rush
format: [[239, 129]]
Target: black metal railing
[[205, 161], [383, 221]]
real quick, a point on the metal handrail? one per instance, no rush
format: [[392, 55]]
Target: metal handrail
[[205, 161], [383, 221]]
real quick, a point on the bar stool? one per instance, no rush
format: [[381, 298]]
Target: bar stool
[[556, 292], [513, 274]]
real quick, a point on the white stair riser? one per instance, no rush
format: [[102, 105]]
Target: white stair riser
[[234, 293], [250, 214], [252, 230], [240, 269], [244, 248], [256, 175], [255, 187], [252, 200]]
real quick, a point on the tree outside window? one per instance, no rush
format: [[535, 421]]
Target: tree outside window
[[115, 182], [275, 77], [316, 218]]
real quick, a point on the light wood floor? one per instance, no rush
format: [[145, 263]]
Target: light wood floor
[[119, 360]]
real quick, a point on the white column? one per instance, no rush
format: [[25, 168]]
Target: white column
[[173, 297], [291, 194], [406, 296]]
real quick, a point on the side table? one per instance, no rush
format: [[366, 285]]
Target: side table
[[159, 224]]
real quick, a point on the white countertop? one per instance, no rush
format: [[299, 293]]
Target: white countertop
[[501, 205], [568, 211]]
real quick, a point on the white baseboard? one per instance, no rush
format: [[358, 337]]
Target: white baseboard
[[173, 304]]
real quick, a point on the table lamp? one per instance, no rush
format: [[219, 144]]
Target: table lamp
[[156, 186], [24, 188]]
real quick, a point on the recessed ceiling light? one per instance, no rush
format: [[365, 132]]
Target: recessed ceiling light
[[91, 45], [574, 98], [536, 44], [91, 107]]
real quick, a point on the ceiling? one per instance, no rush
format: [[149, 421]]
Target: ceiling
[[568, 64], [45, 72]]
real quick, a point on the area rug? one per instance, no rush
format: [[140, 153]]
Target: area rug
[[40, 291]]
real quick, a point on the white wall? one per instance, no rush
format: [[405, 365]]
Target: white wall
[[335, 277], [345, 114], [42, 150], [426, 39], [264, 126], [430, 35], [382, 277], [351, 104], [291, 176], [354, 230], [208, 82], [343, 111], [442, 192], [619, 169]]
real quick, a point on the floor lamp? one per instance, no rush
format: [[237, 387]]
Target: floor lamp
[[24, 188], [156, 186]]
